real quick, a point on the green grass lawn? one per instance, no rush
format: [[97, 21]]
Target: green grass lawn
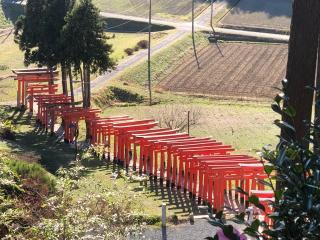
[[161, 9], [121, 41], [244, 125], [4, 23], [10, 57], [33, 145]]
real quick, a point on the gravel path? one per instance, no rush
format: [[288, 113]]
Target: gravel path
[[200, 230]]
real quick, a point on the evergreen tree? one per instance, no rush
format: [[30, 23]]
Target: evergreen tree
[[38, 33], [85, 44]]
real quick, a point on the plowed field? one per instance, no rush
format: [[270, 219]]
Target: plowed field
[[238, 70]]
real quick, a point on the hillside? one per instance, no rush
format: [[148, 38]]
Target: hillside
[[9, 13], [4, 22]]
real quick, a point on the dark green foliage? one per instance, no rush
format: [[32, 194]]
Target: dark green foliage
[[89, 158], [32, 171], [39, 31], [85, 40], [115, 94], [148, 219], [7, 134], [125, 95], [129, 51], [296, 169], [136, 48], [143, 44], [9, 181]]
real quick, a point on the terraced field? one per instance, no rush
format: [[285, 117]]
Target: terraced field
[[238, 70], [161, 8]]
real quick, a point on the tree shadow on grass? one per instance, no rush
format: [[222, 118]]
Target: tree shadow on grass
[[176, 199], [32, 138]]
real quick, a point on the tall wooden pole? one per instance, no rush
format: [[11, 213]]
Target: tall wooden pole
[[149, 55], [211, 18], [193, 40]]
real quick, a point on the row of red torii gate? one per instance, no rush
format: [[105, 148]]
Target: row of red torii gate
[[204, 167]]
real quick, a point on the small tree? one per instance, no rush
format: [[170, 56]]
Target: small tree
[[176, 116], [38, 34], [85, 44]]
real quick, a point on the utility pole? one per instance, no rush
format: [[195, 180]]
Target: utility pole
[[193, 40], [211, 19], [149, 55]]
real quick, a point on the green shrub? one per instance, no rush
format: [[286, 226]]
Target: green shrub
[[124, 95], [111, 95], [143, 44], [3, 67], [90, 158], [107, 215], [129, 51], [9, 181], [7, 130], [32, 171], [136, 48]]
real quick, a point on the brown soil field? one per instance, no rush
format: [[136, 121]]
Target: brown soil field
[[237, 70]]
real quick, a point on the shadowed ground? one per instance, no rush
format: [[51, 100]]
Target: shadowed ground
[[263, 14]]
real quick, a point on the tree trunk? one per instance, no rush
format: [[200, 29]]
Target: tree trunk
[[86, 87], [71, 84], [301, 66], [64, 79], [316, 146], [82, 85], [87, 94]]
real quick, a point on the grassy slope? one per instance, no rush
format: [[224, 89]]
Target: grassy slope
[[10, 57], [4, 23], [246, 126], [162, 62], [33, 145], [129, 40]]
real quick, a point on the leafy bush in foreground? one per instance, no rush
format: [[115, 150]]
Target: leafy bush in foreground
[[107, 215], [296, 170], [23, 189], [32, 171]]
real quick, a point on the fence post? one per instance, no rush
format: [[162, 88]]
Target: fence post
[[164, 214]]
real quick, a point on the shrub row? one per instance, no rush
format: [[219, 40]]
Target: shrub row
[[143, 44]]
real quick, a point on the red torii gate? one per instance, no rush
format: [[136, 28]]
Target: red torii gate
[[72, 116], [43, 103], [27, 76], [37, 89]]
